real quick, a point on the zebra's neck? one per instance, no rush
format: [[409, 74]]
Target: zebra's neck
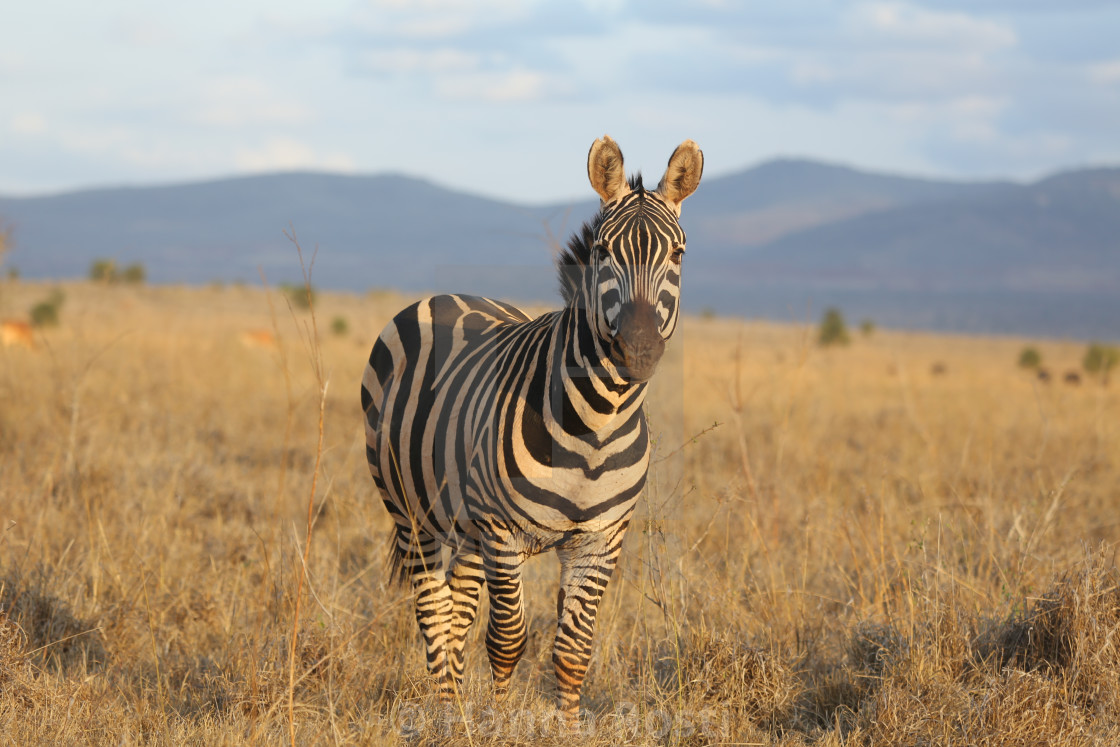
[[585, 383]]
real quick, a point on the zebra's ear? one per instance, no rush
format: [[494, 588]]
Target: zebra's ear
[[682, 177], [604, 169]]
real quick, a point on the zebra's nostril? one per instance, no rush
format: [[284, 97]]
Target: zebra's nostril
[[638, 346], [617, 351]]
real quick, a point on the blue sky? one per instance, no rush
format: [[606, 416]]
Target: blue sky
[[503, 98]]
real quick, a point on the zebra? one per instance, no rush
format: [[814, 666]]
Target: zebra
[[504, 436]]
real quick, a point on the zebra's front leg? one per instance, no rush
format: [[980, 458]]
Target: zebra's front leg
[[465, 579], [506, 634], [585, 571]]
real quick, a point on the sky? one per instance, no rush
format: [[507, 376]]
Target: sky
[[503, 98]]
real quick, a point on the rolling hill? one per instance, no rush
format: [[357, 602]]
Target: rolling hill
[[780, 240]]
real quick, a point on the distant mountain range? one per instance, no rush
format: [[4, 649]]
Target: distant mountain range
[[781, 240]]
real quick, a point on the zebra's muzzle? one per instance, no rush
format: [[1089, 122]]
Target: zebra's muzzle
[[638, 345]]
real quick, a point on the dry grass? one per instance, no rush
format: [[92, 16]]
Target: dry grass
[[861, 553]]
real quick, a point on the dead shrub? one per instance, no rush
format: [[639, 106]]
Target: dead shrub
[[1025, 708], [1071, 632], [916, 704], [60, 639], [720, 669]]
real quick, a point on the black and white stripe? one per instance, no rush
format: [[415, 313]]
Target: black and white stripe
[[504, 436]]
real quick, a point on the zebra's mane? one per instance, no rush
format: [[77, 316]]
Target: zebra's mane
[[577, 256]]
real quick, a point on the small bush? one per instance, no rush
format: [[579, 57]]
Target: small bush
[[107, 271], [134, 274], [1099, 360], [1030, 358], [340, 326], [867, 328], [299, 296], [103, 271], [833, 329], [5, 239], [46, 312]]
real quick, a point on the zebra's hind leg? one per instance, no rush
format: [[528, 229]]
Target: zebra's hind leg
[[422, 561], [506, 634], [585, 571], [465, 577]]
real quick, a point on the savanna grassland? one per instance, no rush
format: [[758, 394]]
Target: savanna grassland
[[837, 547]]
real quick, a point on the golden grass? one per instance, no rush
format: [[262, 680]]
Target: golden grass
[[861, 552]]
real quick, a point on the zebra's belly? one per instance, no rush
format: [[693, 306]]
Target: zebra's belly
[[571, 500]]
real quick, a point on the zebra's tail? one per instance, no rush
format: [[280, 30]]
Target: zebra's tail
[[399, 569]]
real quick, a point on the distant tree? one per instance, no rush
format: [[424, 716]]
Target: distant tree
[[340, 326], [103, 271], [12, 273], [1029, 358], [1099, 360], [5, 238], [45, 313], [833, 329], [707, 313], [6, 246], [134, 274], [867, 328], [299, 296]]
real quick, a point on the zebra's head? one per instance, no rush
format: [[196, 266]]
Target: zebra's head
[[628, 260]]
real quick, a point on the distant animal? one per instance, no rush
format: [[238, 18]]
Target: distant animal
[[938, 369], [1043, 375], [503, 436], [259, 338], [13, 333], [1072, 378]]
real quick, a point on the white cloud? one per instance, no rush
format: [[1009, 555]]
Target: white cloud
[[966, 108], [238, 101], [144, 32], [515, 85], [405, 60], [11, 62], [28, 123], [903, 23], [876, 51], [1105, 73], [812, 72], [432, 19], [283, 153]]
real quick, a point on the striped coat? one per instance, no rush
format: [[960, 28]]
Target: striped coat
[[503, 436]]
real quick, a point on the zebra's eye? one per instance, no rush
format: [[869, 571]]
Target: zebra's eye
[[677, 255], [601, 252]]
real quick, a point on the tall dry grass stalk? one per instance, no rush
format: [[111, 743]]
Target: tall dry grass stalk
[[310, 337], [862, 552]]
